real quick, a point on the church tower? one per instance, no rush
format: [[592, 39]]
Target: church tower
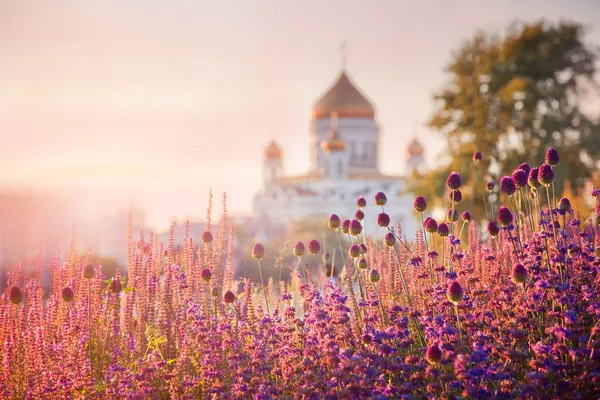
[[273, 166], [415, 161], [335, 160]]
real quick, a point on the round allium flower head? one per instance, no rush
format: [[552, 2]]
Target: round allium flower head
[[552, 157], [68, 295], [314, 247], [546, 174], [389, 239], [455, 195], [430, 225], [525, 167], [116, 286], [362, 263], [363, 248], [466, 216], [519, 274], [477, 157], [490, 185], [492, 229], [334, 222], [507, 186], [453, 182], [504, 216], [564, 205], [380, 199], [206, 274], [326, 257], [346, 226], [354, 251], [229, 297], [520, 178], [16, 296], [443, 229], [88, 271], [433, 354], [359, 215], [367, 339], [355, 227], [299, 249], [532, 179], [374, 276], [383, 220], [207, 237], [452, 215], [214, 292], [420, 204], [455, 292], [361, 202], [258, 251]]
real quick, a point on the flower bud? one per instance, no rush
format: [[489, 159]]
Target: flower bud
[[299, 249], [380, 199], [206, 274], [361, 202], [354, 251], [525, 167], [355, 227], [334, 222], [207, 237], [116, 286], [420, 204], [346, 226], [430, 225], [504, 217], [546, 174], [16, 296], [564, 205], [519, 274], [314, 247], [374, 276], [507, 186], [466, 216], [389, 239], [455, 292], [455, 195], [359, 215], [477, 157], [552, 157], [519, 177], [452, 215], [67, 294], [453, 182], [258, 251], [490, 185], [532, 179], [88, 271], [229, 297], [383, 220], [433, 354], [443, 229], [492, 229], [362, 263]]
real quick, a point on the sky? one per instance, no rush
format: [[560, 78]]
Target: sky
[[160, 101]]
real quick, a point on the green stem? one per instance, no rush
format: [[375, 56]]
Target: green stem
[[264, 289]]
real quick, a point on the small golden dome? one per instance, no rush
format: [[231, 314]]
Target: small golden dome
[[273, 151], [333, 142], [415, 149], [344, 99]]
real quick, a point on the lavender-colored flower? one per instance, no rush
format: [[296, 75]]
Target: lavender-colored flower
[[355, 227], [15, 296], [466, 216], [533, 180], [88, 271], [546, 174], [455, 292], [299, 249], [363, 248], [362, 263], [380, 199], [354, 251], [359, 215], [206, 274], [346, 226], [520, 178], [229, 297], [477, 157], [490, 185], [525, 167], [116, 286], [258, 251], [389, 239], [374, 276], [420, 204], [507, 186], [361, 202], [453, 182], [433, 354], [552, 157], [492, 229], [430, 225], [504, 217], [207, 237], [314, 247], [564, 205], [443, 229], [455, 195], [67, 294], [334, 222], [519, 274], [452, 215], [383, 220]]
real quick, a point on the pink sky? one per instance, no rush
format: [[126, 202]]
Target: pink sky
[[162, 100]]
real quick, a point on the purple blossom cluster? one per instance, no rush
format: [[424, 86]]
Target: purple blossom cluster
[[515, 315]]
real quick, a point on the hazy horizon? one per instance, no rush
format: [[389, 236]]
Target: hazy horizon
[[160, 102]]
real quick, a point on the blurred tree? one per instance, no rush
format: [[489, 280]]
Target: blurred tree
[[512, 98]]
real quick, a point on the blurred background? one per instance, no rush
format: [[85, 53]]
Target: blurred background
[[108, 107]]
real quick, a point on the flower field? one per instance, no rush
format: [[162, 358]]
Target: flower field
[[505, 308]]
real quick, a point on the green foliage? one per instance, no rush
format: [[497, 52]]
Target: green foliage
[[512, 98]]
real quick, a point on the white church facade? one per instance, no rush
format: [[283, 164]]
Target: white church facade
[[344, 165]]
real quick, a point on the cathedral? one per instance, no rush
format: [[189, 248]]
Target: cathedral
[[344, 141]]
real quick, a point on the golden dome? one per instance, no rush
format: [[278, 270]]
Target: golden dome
[[273, 151], [415, 149], [344, 99], [333, 142]]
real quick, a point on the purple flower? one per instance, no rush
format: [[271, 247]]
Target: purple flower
[[355, 227], [346, 226], [552, 157], [430, 225], [533, 178], [466, 216], [492, 229], [16, 296], [334, 221], [504, 217], [380, 199], [314, 247], [420, 204], [433, 354], [455, 195], [452, 215], [383, 220], [229, 297], [443, 229], [359, 215], [490, 185], [507, 186], [519, 274], [525, 167], [362, 263], [67, 294], [354, 251], [361, 202], [477, 157], [389, 239], [116, 286], [519, 176], [363, 248], [453, 182], [455, 292], [546, 174], [88, 271], [564, 205], [374, 276], [207, 237], [258, 251], [299, 249]]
